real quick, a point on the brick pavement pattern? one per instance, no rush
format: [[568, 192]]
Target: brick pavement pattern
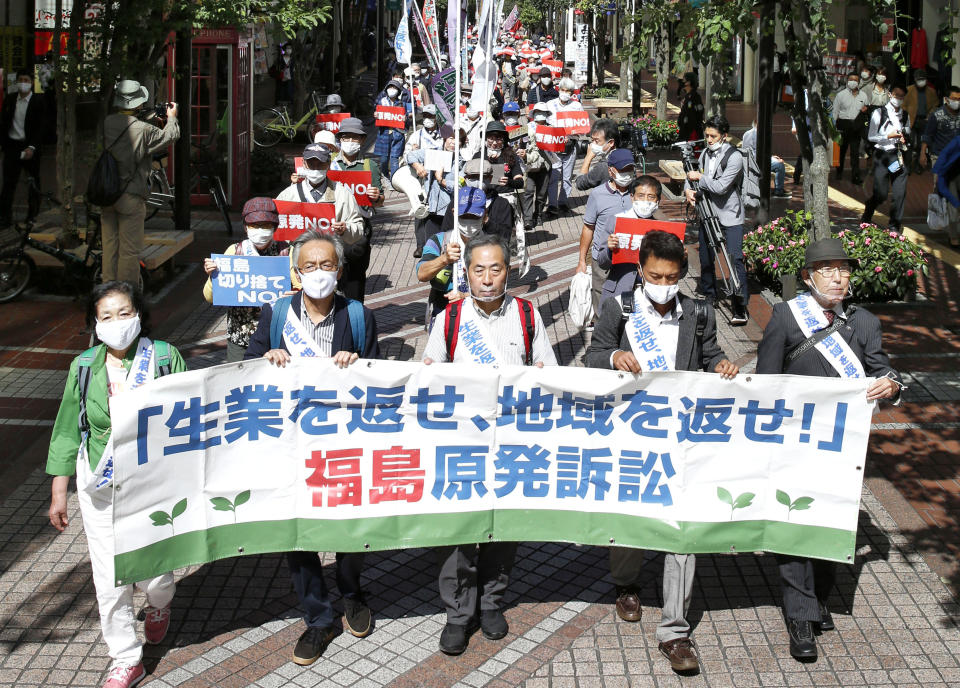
[[235, 621]]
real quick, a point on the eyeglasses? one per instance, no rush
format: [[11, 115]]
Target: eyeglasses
[[828, 272], [311, 267]]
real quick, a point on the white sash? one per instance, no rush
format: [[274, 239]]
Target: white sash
[[643, 340], [474, 337], [295, 336], [101, 477], [248, 249], [811, 319]]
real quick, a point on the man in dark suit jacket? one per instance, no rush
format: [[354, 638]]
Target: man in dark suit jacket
[[784, 349], [21, 135], [685, 335], [320, 326]]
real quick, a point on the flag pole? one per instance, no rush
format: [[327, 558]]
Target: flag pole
[[456, 132]]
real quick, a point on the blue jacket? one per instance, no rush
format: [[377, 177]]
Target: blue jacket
[[946, 169]]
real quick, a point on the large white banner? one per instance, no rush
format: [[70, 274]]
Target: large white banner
[[246, 458]]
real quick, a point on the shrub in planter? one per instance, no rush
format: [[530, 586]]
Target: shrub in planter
[[887, 262], [660, 132]]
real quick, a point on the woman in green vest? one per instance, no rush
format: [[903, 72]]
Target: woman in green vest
[[81, 443]]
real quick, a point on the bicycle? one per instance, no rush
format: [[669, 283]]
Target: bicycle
[[272, 124], [158, 186], [83, 265], [728, 284], [638, 146]]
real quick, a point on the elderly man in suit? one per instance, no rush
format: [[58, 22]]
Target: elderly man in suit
[[21, 134], [803, 337], [685, 333]]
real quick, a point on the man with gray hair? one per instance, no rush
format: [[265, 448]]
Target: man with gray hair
[[318, 323], [561, 178]]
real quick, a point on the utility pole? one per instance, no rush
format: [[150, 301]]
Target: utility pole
[[183, 57], [765, 104]]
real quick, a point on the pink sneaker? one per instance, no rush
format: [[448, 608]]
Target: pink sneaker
[[156, 624], [125, 676]]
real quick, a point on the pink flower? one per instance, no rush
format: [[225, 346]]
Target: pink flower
[[909, 273], [878, 269], [766, 260], [841, 234], [902, 238], [803, 242], [779, 248], [850, 243], [893, 234], [775, 265], [770, 247], [864, 225], [793, 243], [868, 241], [900, 251]]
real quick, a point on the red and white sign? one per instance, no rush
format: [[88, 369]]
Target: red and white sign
[[573, 121], [552, 139], [296, 218], [629, 232], [331, 121], [842, 44], [513, 127], [358, 181], [556, 67], [389, 116], [545, 55]]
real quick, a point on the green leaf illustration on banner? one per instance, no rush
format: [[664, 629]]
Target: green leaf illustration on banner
[[162, 518], [224, 504], [741, 502], [799, 504]]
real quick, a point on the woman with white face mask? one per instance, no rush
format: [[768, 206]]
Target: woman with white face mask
[[260, 220], [100, 374]]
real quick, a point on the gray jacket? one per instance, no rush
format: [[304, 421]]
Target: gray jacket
[[135, 146], [598, 173], [722, 185]]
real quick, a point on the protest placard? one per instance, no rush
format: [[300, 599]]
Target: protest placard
[[388, 116], [552, 139], [296, 218], [358, 181], [331, 121], [436, 160], [249, 280], [629, 232]]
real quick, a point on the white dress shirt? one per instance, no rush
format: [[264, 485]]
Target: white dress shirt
[[666, 327], [18, 131]]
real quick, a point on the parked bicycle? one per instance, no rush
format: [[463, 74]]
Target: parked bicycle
[[272, 124]]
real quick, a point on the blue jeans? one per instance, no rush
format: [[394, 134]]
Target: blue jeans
[[306, 570], [779, 173], [708, 280]]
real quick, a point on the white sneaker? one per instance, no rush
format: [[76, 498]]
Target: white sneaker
[[125, 676]]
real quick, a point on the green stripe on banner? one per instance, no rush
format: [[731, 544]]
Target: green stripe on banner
[[433, 530]]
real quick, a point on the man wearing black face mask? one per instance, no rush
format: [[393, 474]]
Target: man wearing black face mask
[[684, 337]]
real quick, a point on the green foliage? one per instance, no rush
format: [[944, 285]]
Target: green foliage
[[660, 132], [224, 504], [741, 502], [162, 518], [949, 16], [799, 504]]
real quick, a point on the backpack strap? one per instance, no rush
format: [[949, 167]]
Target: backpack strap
[[120, 135], [358, 325], [626, 310], [528, 323], [277, 319], [84, 373], [303, 196], [451, 326], [162, 352], [700, 311]]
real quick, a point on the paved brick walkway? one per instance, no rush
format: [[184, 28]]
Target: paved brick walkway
[[235, 621]]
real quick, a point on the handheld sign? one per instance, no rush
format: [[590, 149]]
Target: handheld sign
[[249, 280], [556, 66], [331, 121], [553, 139], [573, 121], [436, 160], [388, 116], [358, 181], [297, 217], [629, 232]]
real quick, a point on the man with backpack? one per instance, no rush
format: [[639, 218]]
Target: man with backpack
[[889, 128], [131, 143], [488, 328], [318, 323], [720, 180], [649, 328]]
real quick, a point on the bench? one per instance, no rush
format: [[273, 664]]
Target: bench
[[158, 247]]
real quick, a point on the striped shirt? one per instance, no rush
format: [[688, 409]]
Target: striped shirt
[[321, 332], [506, 333]]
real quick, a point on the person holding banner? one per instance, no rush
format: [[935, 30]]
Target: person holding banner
[[437, 183], [348, 223], [561, 182], [427, 137], [316, 322], [814, 334], [390, 139], [541, 88], [260, 218], [654, 327], [503, 330], [81, 443]]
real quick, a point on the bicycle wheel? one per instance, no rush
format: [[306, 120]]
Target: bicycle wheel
[[16, 271], [157, 183], [268, 127], [220, 198]]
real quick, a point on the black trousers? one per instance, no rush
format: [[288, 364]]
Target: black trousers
[[850, 135], [534, 198], [12, 164], [306, 571], [353, 281], [883, 180], [805, 582]]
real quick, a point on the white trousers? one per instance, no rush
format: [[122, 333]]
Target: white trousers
[[117, 620]]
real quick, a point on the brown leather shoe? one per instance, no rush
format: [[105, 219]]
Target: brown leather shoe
[[681, 653], [628, 604]]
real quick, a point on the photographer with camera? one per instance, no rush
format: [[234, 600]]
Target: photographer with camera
[[132, 142], [889, 129], [719, 181]]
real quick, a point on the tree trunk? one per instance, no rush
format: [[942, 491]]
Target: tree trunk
[[663, 69], [66, 84], [626, 77]]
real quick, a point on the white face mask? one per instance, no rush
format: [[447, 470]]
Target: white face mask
[[540, 119], [597, 148], [660, 293], [645, 208], [24, 87], [565, 97], [493, 152], [546, 81], [852, 85], [472, 114], [715, 146], [921, 83], [881, 78], [492, 297], [315, 177], [623, 179], [259, 237], [512, 121], [318, 284], [392, 92], [350, 148], [864, 75], [119, 334], [895, 102], [953, 104], [429, 122], [470, 226]]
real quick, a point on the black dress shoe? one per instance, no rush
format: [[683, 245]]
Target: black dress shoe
[[454, 637], [802, 643], [418, 253], [492, 624], [826, 618]]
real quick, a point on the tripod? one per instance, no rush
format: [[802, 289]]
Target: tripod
[[711, 231]]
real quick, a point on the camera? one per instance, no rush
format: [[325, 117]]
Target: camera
[[160, 109]]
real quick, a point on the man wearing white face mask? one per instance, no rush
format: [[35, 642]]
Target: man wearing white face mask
[[942, 127], [604, 136], [888, 133], [681, 334], [498, 218], [920, 102], [390, 140], [562, 175], [22, 128], [316, 322], [542, 91], [503, 330], [427, 137], [260, 219], [348, 222], [849, 108]]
